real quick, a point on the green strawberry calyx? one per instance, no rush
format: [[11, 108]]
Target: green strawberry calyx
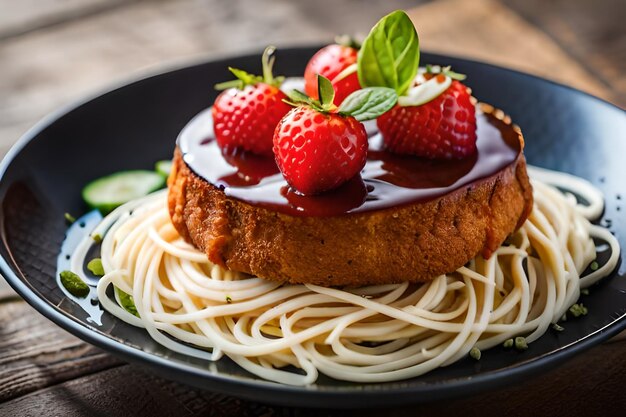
[[244, 78], [364, 104]]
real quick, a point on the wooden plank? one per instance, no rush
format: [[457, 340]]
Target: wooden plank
[[35, 354], [589, 383], [587, 30], [23, 16], [489, 31]]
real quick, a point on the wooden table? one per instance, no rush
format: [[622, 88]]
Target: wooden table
[[54, 52]]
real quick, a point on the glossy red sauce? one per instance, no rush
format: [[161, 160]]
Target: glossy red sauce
[[388, 180]]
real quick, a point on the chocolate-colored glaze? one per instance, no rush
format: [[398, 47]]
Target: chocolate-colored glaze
[[388, 180]]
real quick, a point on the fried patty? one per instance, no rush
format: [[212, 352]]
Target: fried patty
[[413, 242]]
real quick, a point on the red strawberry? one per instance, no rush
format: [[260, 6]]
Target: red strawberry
[[245, 115], [443, 128], [245, 119], [318, 151], [330, 61], [319, 146]]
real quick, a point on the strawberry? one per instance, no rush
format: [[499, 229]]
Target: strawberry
[[442, 128], [319, 146], [319, 151], [246, 113], [338, 64]]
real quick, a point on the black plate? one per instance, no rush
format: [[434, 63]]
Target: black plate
[[135, 125]]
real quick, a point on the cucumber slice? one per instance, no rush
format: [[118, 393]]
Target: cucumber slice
[[164, 167], [109, 192]]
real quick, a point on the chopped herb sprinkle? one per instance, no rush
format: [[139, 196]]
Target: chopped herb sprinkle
[[97, 238], [520, 343], [228, 299], [594, 266], [578, 310], [73, 284], [95, 266], [475, 353], [556, 327], [584, 291], [508, 344], [69, 218]]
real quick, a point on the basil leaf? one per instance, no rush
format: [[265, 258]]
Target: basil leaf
[[389, 56], [369, 103], [325, 92]]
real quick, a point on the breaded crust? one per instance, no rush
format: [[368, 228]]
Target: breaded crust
[[414, 242]]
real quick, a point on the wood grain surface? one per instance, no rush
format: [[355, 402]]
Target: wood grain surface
[[45, 372], [53, 52]]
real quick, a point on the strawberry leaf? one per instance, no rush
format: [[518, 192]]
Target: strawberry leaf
[[325, 92], [369, 103], [244, 78], [298, 97], [238, 84], [454, 75], [389, 56]]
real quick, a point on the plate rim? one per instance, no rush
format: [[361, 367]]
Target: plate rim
[[340, 397]]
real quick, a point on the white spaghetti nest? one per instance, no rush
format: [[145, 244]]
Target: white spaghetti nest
[[369, 334]]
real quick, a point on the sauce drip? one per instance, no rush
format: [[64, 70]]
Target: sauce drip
[[386, 181]]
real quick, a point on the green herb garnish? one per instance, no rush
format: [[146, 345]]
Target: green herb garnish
[[69, 218], [97, 238], [508, 344], [556, 327], [228, 299], [74, 284], [520, 343], [594, 266], [475, 353], [584, 291], [389, 55], [368, 103], [95, 266], [578, 310]]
